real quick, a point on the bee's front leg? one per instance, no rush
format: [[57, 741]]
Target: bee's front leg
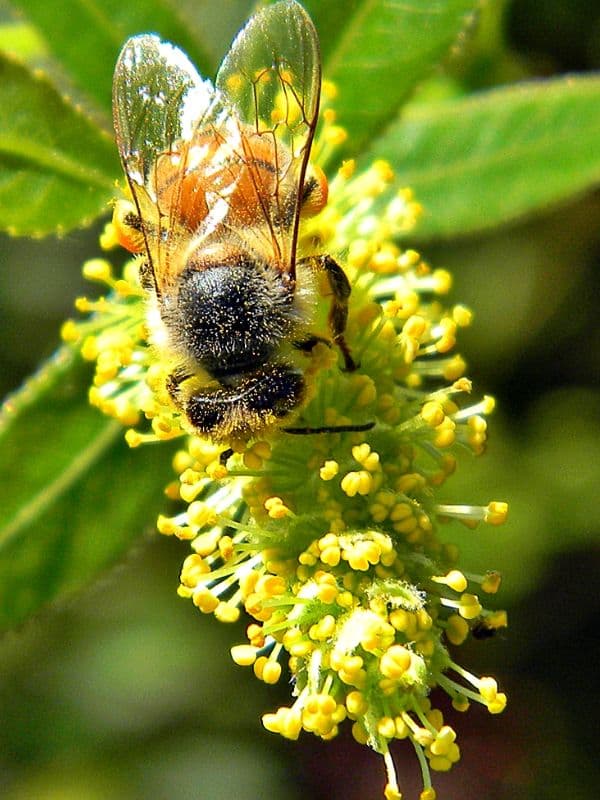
[[338, 312], [307, 344], [173, 385]]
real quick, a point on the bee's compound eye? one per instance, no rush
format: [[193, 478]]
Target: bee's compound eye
[[277, 389]]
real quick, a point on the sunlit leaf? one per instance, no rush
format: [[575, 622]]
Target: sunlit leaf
[[57, 169], [491, 158], [22, 40], [86, 37], [377, 51]]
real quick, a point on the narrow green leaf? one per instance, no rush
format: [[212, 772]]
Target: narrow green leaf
[[488, 159], [87, 35], [377, 51], [57, 169], [74, 495]]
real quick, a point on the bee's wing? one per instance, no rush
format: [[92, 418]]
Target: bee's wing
[[159, 101], [201, 160], [272, 77]]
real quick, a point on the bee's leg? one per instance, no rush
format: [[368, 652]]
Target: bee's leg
[[307, 430], [338, 312], [307, 344], [226, 455], [173, 382], [146, 273]]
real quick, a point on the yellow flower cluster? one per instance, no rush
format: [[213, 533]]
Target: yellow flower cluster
[[362, 613], [329, 542]]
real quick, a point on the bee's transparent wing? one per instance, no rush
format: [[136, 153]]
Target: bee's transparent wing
[[272, 77], [159, 100], [200, 160]]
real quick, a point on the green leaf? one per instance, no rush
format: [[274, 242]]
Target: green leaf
[[87, 45], [57, 169], [488, 159], [22, 41], [74, 495], [377, 51]]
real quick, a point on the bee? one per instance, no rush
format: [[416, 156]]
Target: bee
[[219, 177]]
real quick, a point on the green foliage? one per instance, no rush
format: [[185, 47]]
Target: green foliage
[[492, 157], [57, 168], [377, 52], [85, 38], [60, 169], [74, 498], [474, 162], [55, 479]]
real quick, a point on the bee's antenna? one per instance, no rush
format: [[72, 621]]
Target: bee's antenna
[[307, 431]]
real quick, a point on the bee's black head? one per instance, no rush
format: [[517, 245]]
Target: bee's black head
[[245, 405]]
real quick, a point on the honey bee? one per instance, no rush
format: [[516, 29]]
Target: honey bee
[[219, 177]]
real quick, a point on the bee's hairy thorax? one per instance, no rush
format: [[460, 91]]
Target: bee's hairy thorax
[[230, 318]]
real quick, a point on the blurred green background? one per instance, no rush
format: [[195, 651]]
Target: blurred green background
[[125, 691]]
